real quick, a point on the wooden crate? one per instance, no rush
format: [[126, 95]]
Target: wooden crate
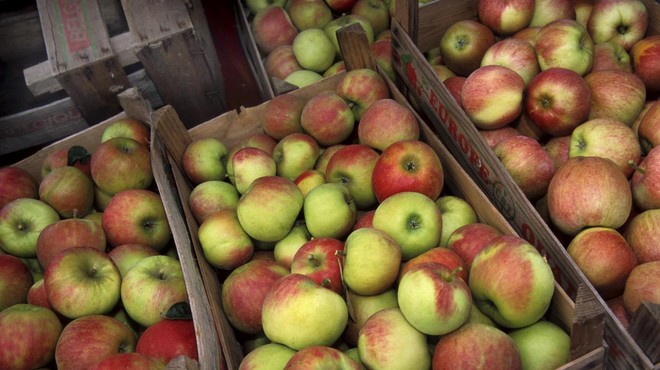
[[162, 47], [581, 317], [416, 30], [135, 106]]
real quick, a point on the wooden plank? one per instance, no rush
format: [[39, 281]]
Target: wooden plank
[[353, 41], [645, 329]]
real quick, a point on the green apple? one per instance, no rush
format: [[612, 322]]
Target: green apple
[[268, 209], [456, 212], [345, 20], [285, 249], [21, 222], [542, 345], [306, 14], [564, 43], [479, 317], [212, 196], [314, 50], [412, 219], [294, 154], [225, 244], [266, 357], [299, 313], [121, 163], [511, 282], [322, 357], [388, 341], [309, 179], [257, 5], [303, 78], [126, 256], [362, 307], [82, 281], [15, 281], [376, 12], [329, 211], [352, 166], [151, 287], [372, 261], [205, 159], [249, 164], [127, 127]]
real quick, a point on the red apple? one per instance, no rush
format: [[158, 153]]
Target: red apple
[[365, 219], [321, 357], [352, 166], [564, 43], [616, 94], [340, 6], [505, 18], [649, 128], [361, 88], [69, 191], [494, 136], [386, 122], [610, 55], [464, 44], [125, 256], [470, 239], [68, 233], [492, 96], [38, 296], [15, 281], [514, 54], [407, 165], [327, 118], [619, 310], [622, 21], [546, 11], [455, 84], [76, 156], [441, 255], [642, 286], [643, 237], [645, 181], [15, 183], [281, 62], [527, 34], [272, 27], [558, 147], [644, 55], [605, 258], [282, 116], [121, 163], [168, 339], [205, 159], [128, 360], [127, 127], [319, 260], [212, 196], [382, 52], [558, 100]]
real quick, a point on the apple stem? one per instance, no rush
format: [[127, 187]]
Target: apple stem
[[636, 167], [454, 272]]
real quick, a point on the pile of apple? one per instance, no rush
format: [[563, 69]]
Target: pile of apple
[[566, 95], [338, 246], [298, 40], [88, 270]]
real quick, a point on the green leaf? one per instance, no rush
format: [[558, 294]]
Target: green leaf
[[77, 154]]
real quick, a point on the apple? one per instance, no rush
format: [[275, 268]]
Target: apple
[[542, 345], [433, 298], [564, 43], [505, 18], [313, 50], [21, 222], [408, 165], [649, 128], [266, 357], [558, 148], [151, 287], [642, 286], [126, 256], [365, 219], [294, 154], [285, 249], [258, 140], [168, 339], [69, 191], [388, 340], [621, 21], [470, 239], [121, 163], [15, 183], [223, 240], [336, 68], [321, 357], [306, 14], [352, 166], [546, 11], [282, 116], [527, 34], [37, 295], [605, 258], [362, 307], [588, 191], [412, 219], [619, 310], [136, 216], [492, 137], [344, 20], [327, 118], [515, 54], [101, 199], [329, 211], [340, 6], [80, 346], [68, 233], [455, 84], [440, 255], [205, 159], [75, 155], [616, 94], [583, 11], [645, 181], [320, 260], [464, 44], [610, 55], [249, 164], [244, 291], [82, 281], [361, 88], [324, 157], [492, 96], [456, 212], [211, 196], [255, 5], [372, 261], [28, 336], [127, 127], [607, 138], [303, 78], [299, 313], [269, 208], [386, 122], [128, 360], [642, 236], [281, 62], [557, 100], [375, 12], [308, 180], [511, 282], [272, 27], [645, 61], [15, 281], [528, 163], [382, 51]]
